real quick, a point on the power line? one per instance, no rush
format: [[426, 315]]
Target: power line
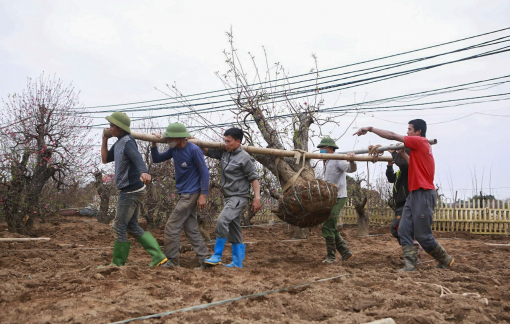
[[446, 121], [421, 104], [342, 86], [311, 73], [370, 109], [217, 109], [370, 80], [293, 92]]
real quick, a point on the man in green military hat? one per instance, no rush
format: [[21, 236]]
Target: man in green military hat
[[335, 171], [131, 176], [192, 183]]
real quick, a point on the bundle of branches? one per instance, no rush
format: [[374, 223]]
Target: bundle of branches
[[271, 119]]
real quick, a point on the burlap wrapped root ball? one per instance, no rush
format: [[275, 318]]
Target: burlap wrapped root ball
[[307, 203]]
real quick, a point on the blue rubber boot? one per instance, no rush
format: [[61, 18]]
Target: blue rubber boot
[[218, 252], [238, 252]]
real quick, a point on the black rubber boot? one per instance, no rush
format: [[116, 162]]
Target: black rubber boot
[[440, 254], [171, 263], [343, 248], [410, 257], [330, 247]]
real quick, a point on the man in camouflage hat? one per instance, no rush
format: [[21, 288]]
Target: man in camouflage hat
[[192, 183], [131, 175], [335, 171]]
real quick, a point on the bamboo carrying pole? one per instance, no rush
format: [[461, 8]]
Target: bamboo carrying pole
[[385, 148], [23, 239], [265, 151]]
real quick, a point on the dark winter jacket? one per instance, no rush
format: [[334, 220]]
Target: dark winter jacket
[[400, 187]]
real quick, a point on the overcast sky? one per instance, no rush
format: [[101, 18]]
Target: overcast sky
[[119, 51]]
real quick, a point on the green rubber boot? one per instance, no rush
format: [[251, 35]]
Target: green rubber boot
[[343, 248], [330, 248], [120, 253], [410, 257], [440, 254], [150, 245]]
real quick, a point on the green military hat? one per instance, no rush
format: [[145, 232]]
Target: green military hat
[[327, 141], [176, 130], [121, 120]]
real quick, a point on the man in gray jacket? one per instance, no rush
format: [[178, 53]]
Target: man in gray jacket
[[237, 172], [335, 171]]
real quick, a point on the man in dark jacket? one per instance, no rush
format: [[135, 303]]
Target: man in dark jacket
[[400, 188]]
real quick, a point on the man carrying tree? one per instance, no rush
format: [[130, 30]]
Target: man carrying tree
[[192, 183], [417, 215], [335, 171], [131, 175], [237, 172], [400, 188]]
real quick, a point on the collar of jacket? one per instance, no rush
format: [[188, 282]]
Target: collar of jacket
[[237, 150], [124, 134]]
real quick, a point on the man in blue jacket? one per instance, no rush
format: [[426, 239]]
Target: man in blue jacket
[[192, 183], [131, 175]]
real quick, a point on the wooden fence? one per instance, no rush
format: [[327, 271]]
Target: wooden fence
[[474, 216]]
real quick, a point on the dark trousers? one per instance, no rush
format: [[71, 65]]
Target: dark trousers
[[395, 223], [417, 217], [184, 216]]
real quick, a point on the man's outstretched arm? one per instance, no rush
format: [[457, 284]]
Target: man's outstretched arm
[[381, 133]]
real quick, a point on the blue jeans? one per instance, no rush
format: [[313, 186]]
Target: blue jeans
[[128, 208]]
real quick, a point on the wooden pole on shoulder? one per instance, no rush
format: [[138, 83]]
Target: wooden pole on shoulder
[[263, 150]]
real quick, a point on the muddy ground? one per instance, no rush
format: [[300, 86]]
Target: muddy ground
[[44, 282]]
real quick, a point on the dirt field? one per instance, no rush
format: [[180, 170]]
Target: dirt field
[[49, 283]]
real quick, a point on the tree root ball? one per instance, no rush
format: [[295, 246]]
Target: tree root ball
[[307, 203]]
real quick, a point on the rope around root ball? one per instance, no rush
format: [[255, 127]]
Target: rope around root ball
[[297, 155]]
